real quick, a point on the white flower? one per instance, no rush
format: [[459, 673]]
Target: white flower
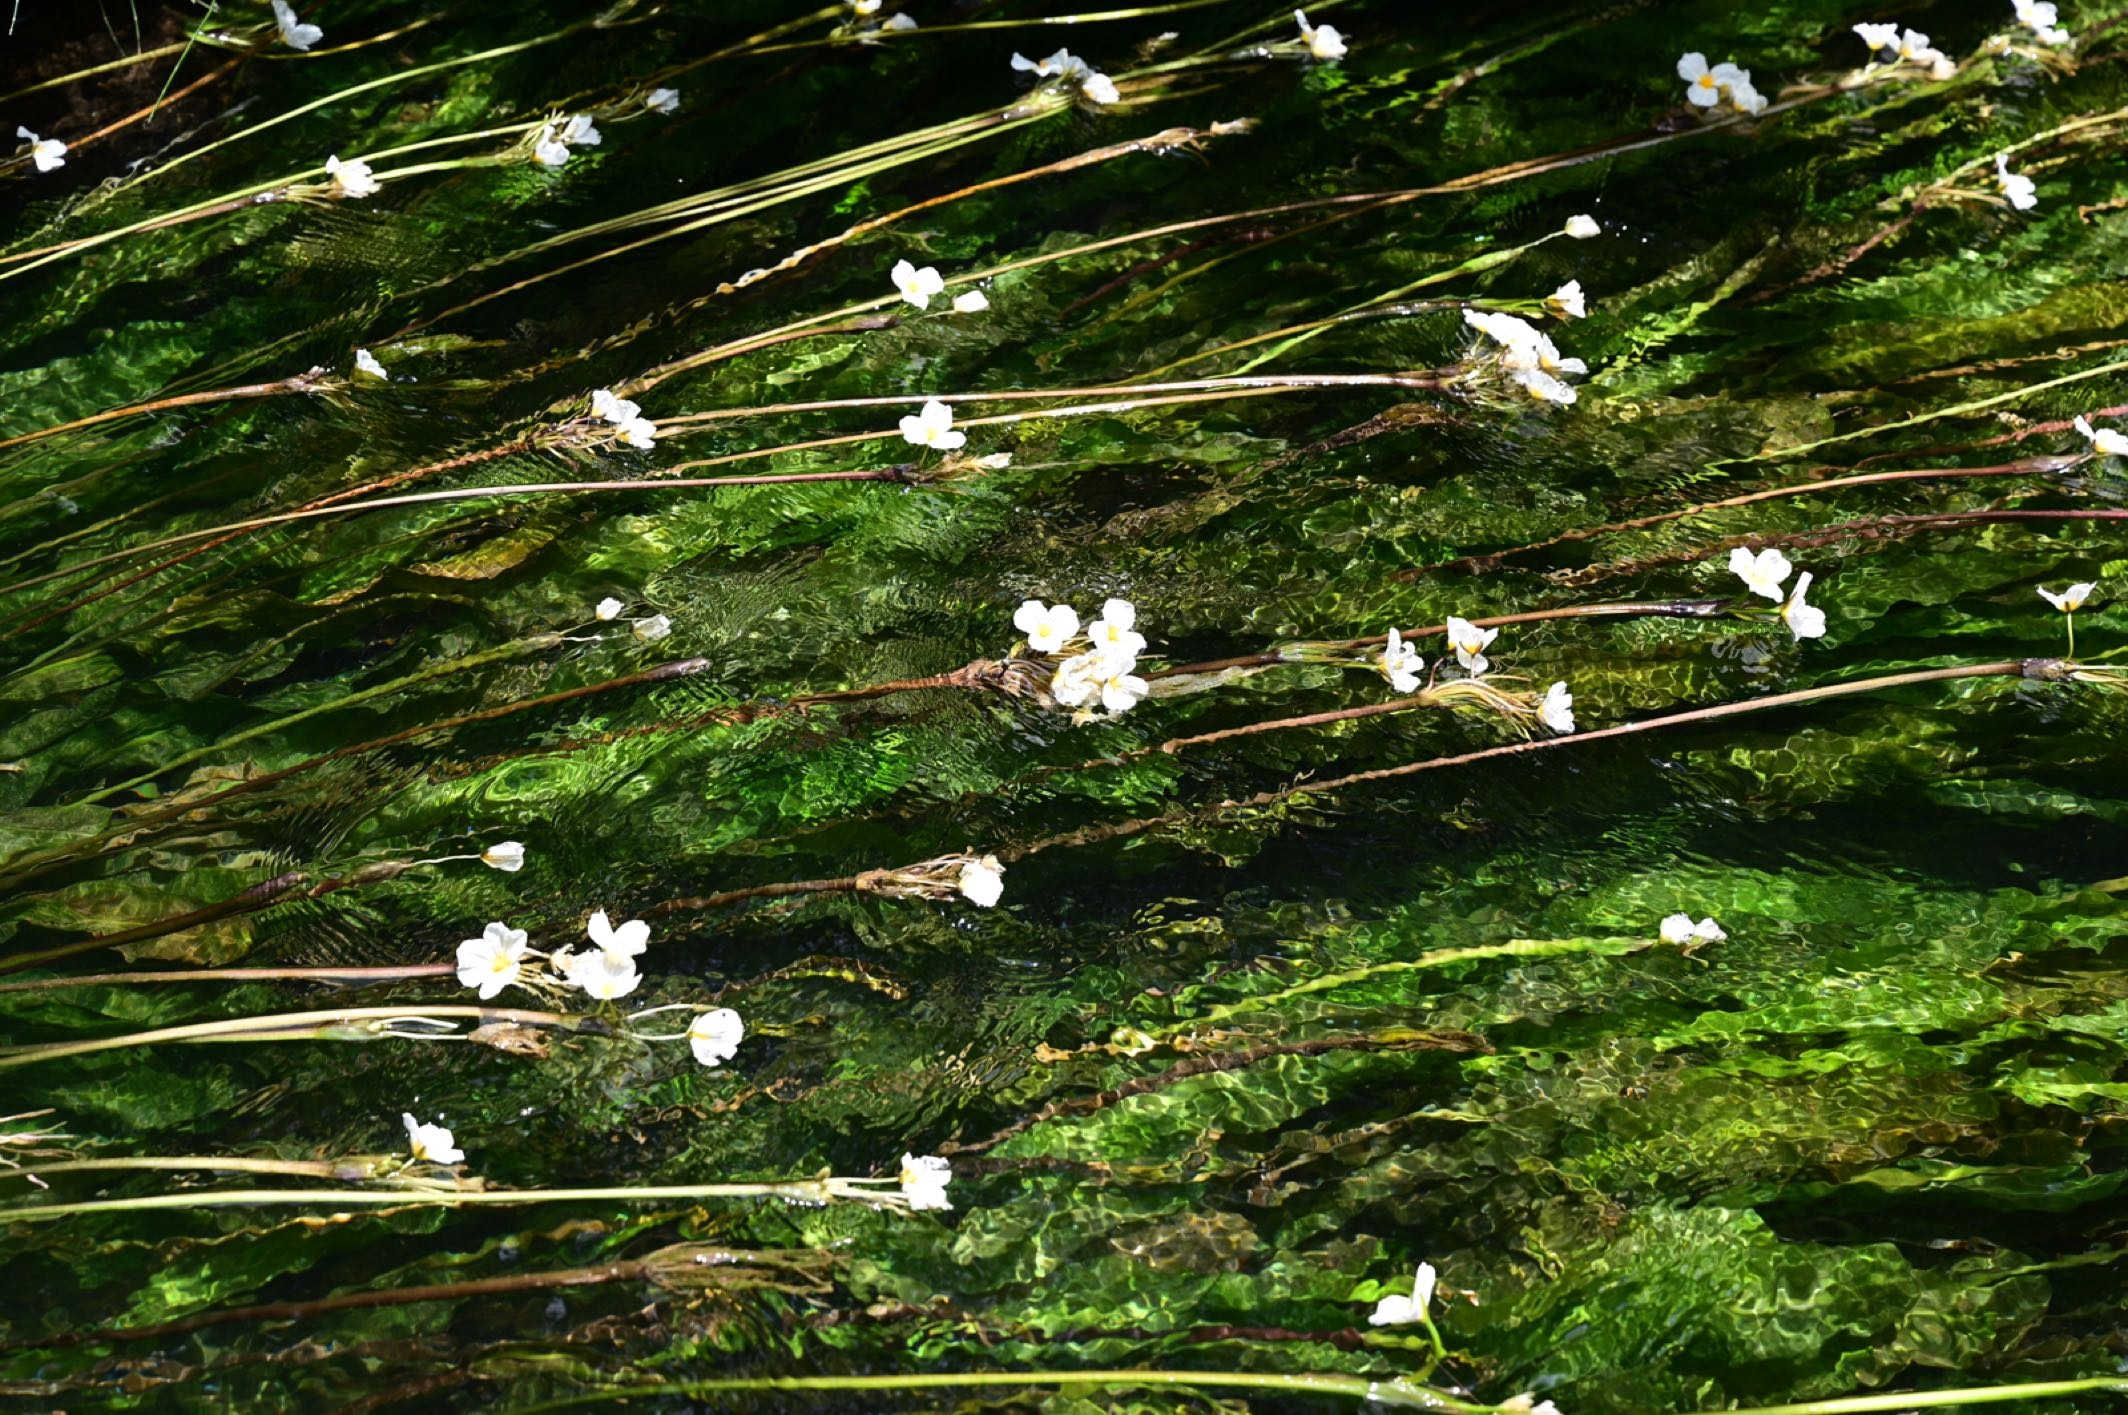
[[578, 130], [638, 432], [650, 630], [1942, 68], [923, 1181], [715, 1036], [1703, 86], [431, 1144], [549, 151], [1914, 48], [1077, 680], [933, 427], [1048, 627], [613, 410], [1679, 928], [1401, 664], [626, 941], [1398, 1310], [47, 153], [1746, 99], [1522, 344], [1061, 65], [1582, 228], [1762, 573], [351, 179], [899, 22], [509, 857], [1542, 386], [1557, 709], [2021, 192], [1121, 690], [917, 286], [1879, 36], [2042, 18], [983, 881], [295, 34], [970, 302], [663, 100], [492, 961], [2105, 441], [1324, 42], [609, 608], [1567, 301], [1113, 635], [605, 976], [1805, 621], [994, 461], [1101, 89], [366, 362], [865, 7], [2071, 599], [1469, 642]]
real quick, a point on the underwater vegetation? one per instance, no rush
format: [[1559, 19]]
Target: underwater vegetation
[[951, 704]]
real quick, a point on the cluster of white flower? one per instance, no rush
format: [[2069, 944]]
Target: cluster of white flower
[[918, 286], [1892, 45], [1400, 664], [47, 154], [2042, 18], [1065, 68], [551, 147], [1527, 356], [1104, 669], [1707, 86], [1764, 573], [1323, 41], [294, 33], [1679, 928], [649, 629], [2105, 441], [627, 418], [2020, 192]]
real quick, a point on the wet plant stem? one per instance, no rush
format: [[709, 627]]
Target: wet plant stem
[[355, 1024], [401, 973]]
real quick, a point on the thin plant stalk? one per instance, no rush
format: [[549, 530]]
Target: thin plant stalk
[[342, 1024], [393, 974]]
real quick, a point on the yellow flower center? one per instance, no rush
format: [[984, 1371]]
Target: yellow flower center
[[1705, 80]]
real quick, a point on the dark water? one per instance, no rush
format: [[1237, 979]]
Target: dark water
[[1243, 1041]]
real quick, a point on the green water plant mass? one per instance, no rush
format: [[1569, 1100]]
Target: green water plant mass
[[972, 705]]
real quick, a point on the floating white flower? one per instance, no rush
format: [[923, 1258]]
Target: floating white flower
[[493, 961], [2042, 18], [1048, 627], [2020, 192], [1879, 37], [715, 1036], [609, 608], [1567, 301], [1763, 573], [1077, 680], [294, 33], [650, 630], [933, 427], [1121, 689], [1401, 663], [923, 1182], [1557, 709], [48, 154], [638, 432], [1914, 48], [549, 150], [1704, 85], [1113, 635], [1805, 621], [982, 881], [1100, 89], [1542, 386], [1469, 643], [352, 179], [366, 363], [1061, 65], [605, 976], [1746, 99], [1397, 1310], [994, 461], [2071, 599], [899, 22], [864, 8], [663, 100], [2105, 441], [917, 286], [970, 302], [578, 130], [509, 857], [1679, 928], [431, 1144], [1522, 345], [1323, 42], [626, 941], [613, 410], [1582, 228]]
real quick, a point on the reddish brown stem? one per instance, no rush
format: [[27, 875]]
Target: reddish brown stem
[[300, 383]]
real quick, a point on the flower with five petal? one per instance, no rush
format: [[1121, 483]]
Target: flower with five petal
[[47, 154], [1704, 85], [1397, 1310], [2105, 441], [1557, 709], [1679, 928], [1805, 621], [493, 961], [923, 1182], [1323, 42], [917, 286], [2071, 599], [715, 1036], [431, 1144], [1048, 627], [933, 427], [294, 33], [508, 856], [351, 179], [1763, 573], [1401, 663], [1469, 643], [982, 881], [1113, 636]]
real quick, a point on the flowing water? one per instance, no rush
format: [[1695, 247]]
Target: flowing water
[[1299, 977]]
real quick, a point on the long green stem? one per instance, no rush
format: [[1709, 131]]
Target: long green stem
[[803, 1191], [354, 1167], [345, 1024]]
